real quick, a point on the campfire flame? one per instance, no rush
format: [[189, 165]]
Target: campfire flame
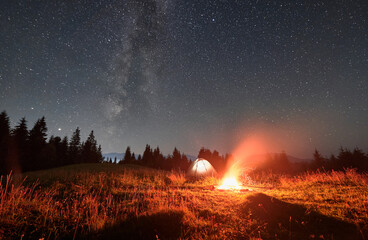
[[237, 164], [230, 183]]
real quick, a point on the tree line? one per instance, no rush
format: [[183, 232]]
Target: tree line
[[154, 158], [279, 163], [346, 158], [24, 150], [28, 150]]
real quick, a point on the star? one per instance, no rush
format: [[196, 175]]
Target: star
[[169, 73]]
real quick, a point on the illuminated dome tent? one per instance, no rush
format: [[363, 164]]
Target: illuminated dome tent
[[201, 167]]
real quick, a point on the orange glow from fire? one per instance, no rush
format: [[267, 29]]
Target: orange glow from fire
[[240, 161]]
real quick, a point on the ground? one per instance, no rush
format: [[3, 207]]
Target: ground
[[107, 201]]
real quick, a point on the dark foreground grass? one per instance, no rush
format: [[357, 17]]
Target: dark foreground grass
[[105, 201]]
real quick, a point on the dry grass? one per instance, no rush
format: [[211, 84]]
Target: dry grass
[[343, 195], [103, 201]]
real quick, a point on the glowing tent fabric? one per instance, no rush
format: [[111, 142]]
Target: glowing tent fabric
[[201, 167]]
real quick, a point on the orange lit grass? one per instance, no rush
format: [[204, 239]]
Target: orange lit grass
[[87, 201]]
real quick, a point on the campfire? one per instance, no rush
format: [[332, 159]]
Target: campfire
[[230, 183], [238, 165]]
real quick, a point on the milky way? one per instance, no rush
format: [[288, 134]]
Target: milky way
[[190, 73]]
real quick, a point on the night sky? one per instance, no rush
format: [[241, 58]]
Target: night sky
[[190, 73]]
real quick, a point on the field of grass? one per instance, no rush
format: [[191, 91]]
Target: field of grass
[[106, 201]]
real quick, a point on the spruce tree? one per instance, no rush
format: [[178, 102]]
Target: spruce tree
[[158, 159], [4, 140], [147, 156], [64, 151], [20, 147], [318, 160], [185, 163], [37, 142], [89, 150], [127, 156], [175, 159], [99, 156], [75, 147]]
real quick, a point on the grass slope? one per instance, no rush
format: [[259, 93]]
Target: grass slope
[[106, 201]]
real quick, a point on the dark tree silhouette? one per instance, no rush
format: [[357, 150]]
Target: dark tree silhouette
[[147, 156], [99, 153], [281, 163], [57, 151], [318, 161], [185, 163], [64, 150], [332, 162], [19, 152], [127, 156], [37, 143], [4, 140], [277, 163], [359, 159], [75, 147], [53, 151], [283, 159], [217, 161], [175, 159], [205, 153], [23, 150], [90, 152], [158, 159], [344, 158]]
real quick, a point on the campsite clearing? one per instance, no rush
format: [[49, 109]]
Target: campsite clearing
[[107, 201]]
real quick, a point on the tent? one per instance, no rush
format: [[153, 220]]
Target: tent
[[201, 167]]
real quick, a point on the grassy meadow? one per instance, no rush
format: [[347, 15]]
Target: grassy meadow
[[107, 201]]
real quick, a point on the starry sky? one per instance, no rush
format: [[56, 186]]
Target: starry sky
[[190, 73]]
